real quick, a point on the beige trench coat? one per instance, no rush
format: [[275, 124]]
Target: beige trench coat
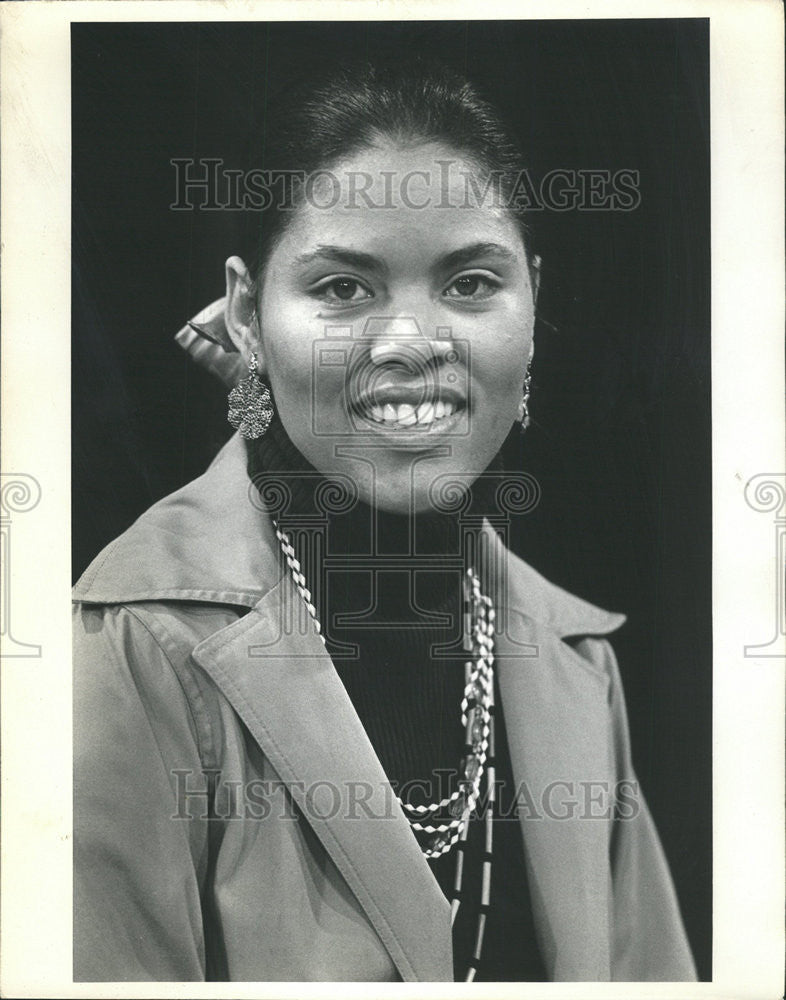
[[188, 680]]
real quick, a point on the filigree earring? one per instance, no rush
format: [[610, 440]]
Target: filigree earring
[[523, 413], [250, 404]]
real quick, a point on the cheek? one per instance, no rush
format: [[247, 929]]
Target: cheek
[[307, 389], [500, 359], [499, 363], [287, 341]]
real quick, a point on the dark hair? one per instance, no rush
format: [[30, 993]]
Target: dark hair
[[353, 108]]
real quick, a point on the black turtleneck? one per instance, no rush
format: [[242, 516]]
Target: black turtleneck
[[388, 593]]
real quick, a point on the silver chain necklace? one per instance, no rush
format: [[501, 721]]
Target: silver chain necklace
[[477, 717]]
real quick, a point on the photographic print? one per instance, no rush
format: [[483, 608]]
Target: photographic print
[[401, 490], [455, 280]]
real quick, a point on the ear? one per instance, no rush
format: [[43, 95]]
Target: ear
[[240, 314]]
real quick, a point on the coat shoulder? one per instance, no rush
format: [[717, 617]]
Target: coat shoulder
[[210, 542], [528, 593]]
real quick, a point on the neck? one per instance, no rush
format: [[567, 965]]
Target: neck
[[399, 564], [301, 495]]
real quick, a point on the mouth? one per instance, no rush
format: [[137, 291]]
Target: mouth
[[405, 416], [404, 408]]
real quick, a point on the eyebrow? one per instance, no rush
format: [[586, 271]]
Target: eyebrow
[[366, 261], [465, 255], [343, 255]]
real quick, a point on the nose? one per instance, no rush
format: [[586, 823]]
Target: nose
[[398, 336], [390, 350]]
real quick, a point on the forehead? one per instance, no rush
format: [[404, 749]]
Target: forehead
[[401, 201]]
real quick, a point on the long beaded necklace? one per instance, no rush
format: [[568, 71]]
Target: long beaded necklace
[[447, 822]]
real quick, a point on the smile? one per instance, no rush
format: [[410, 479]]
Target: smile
[[405, 405], [405, 415]]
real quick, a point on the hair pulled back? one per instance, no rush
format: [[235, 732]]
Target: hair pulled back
[[409, 101]]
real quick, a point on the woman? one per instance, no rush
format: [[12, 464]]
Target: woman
[[328, 727]]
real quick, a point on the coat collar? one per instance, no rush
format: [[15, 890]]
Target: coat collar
[[273, 668], [212, 542]]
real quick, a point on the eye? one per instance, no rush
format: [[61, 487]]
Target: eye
[[471, 286], [343, 290]]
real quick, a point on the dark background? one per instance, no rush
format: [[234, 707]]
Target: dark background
[[621, 442]]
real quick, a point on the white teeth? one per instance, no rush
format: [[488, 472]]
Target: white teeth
[[406, 414]]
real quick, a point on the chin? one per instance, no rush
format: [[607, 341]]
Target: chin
[[404, 499], [396, 501]]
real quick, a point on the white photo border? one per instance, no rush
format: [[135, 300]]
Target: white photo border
[[749, 488]]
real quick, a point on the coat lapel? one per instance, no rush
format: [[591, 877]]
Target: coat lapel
[[556, 713], [283, 684]]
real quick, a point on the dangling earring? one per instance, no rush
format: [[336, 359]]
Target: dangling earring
[[250, 404], [523, 414]]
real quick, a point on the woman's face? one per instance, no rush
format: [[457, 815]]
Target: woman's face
[[395, 338]]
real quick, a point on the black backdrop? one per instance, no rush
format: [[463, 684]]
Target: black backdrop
[[621, 443]]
